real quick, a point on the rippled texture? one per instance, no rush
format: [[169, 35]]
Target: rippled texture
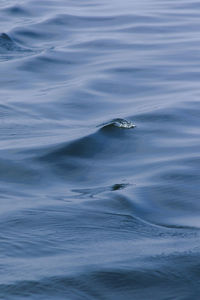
[[99, 141]]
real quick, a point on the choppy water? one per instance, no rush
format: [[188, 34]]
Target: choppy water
[[99, 149]]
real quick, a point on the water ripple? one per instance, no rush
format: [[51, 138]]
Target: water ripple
[[99, 144], [9, 49]]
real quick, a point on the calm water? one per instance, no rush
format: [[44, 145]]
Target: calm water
[[90, 208]]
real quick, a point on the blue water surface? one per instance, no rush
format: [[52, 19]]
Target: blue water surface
[[99, 149]]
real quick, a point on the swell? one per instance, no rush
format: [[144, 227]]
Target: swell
[[109, 211], [172, 270], [90, 145]]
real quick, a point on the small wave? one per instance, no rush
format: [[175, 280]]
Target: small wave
[[89, 145], [121, 123], [9, 49], [16, 10], [7, 44]]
